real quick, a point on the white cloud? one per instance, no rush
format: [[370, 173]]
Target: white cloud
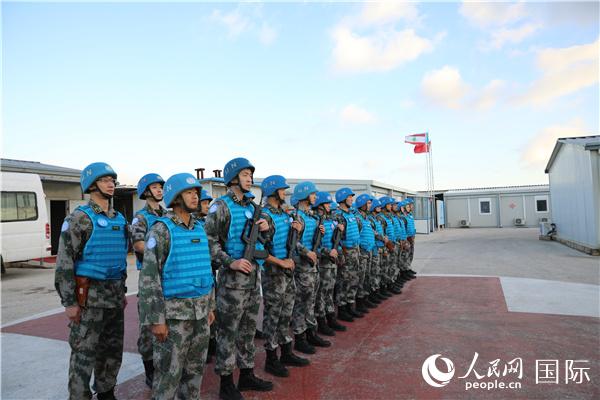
[[539, 149], [445, 87], [356, 115], [490, 94], [372, 40], [245, 19], [512, 35], [564, 71], [489, 14]]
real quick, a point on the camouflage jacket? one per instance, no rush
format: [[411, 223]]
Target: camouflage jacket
[[217, 230], [154, 308], [75, 233], [139, 225]]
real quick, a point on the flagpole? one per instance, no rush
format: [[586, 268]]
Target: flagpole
[[433, 205], [428, 184]]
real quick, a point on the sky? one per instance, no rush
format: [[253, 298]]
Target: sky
[[301, 89]]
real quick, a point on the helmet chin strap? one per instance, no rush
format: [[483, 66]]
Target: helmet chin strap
[[105, 195]]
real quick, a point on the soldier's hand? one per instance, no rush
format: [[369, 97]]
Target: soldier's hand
[[73, 313], [288, 263], [322, 229], [312, 257], [242, 265], [297, 225], [161, 331], [211, 318], [333, 253], [263, 225]]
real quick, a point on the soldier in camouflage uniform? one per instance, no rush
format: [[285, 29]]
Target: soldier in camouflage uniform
[[92, 253], [238, 286], [176, 293], [390, 259], [400, 238], [325, 306], [367, 246], [378, 252], [403, 246], [149, 188], [278, 283], [306, 273], [349, 271], [411, 232]]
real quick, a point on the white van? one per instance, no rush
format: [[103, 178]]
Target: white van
[[25, 231]]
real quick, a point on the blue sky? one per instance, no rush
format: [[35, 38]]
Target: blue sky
[[305, 90]]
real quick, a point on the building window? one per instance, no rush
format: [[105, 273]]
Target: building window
[[485, 206], [541, 204], [19, 206]]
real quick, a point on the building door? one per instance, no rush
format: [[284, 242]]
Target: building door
[[58, 212]]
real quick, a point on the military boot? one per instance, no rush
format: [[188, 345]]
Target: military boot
[[302, 345], [324, 328], [360, 306], [395, 289], [373, 298], [379, 296], [344, 315], [249, 381], [149, 370], [368, 303], [315, 340], [384, 292], [290, 359], [333, 324], [274, 366], [212, 350], [108, 395], [354, 312], [227, 390]]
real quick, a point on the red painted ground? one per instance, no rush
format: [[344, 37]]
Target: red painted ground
[[380, 357]]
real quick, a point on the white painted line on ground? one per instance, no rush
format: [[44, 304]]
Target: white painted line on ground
[[37, 368]]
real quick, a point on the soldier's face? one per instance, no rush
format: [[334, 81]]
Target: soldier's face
[[245, 177], [312, 198], [190, 198], [157, 190], [281, 194], [369, 205], [204, 204], [327, 207], [349, 200], [106, 185]]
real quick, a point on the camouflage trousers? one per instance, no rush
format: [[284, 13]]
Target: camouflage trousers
[[395, 263], [327, 275], [364, 272], [237, 312], [279, 290], [375, 271], [179, 360], [411, 253], [348, 276], [96, 345], [386, 261], [144, 342], [307, 285]]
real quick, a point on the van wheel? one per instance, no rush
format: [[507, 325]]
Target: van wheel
[[3, 268]]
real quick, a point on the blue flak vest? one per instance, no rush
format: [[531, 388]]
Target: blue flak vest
[[310, 226], [367, 236], [352, 234], [399, 230], [150, 220], [327, 241], [378, 229], [389, 229], [187, 273], [239, 216], [411, 230], [282, 229], [402, 226], [105, 253]]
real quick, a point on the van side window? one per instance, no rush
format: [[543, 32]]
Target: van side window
[[19, 206]]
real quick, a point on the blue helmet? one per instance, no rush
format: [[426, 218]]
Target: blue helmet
[[304, 189], [343, 193], [385, 200], [233, 168], [177, 184], [93, 172], [293, 201], [374, 204], [205, 196], [146, 181], [409, 200], [273, 183], [322, 198], [362, 199], [334, 205]]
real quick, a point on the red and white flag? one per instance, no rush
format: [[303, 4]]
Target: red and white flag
[[417, 138]]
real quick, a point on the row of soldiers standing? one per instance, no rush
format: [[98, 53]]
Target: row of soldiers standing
[[195, 270]]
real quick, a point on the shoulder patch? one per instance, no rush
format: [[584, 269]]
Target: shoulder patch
[[135, 221], [64, 226], [151, 243], [213, 208]]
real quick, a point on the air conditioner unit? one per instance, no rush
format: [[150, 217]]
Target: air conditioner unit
[[544, 219], [464, 223], [519, 222]]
